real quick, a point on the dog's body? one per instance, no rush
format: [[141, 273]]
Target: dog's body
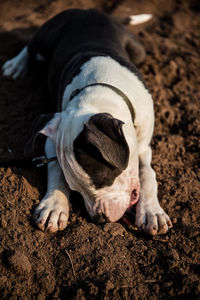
[[102, 130]]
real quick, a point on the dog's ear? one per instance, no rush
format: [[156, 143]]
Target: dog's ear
[[45, 124], [101, 149], [50, 129]]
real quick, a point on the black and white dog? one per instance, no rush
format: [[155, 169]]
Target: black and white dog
[[103, 126]]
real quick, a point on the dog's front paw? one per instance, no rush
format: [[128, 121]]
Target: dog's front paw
[[52, 213], [152, 219]]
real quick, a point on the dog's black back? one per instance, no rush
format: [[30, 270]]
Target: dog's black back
[[74, 36]]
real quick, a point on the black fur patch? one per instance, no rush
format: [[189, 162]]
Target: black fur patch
[[101, 149]]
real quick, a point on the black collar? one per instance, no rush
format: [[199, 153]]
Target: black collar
[[112, 87]]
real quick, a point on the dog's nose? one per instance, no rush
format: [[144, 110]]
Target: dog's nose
[[100, 219]]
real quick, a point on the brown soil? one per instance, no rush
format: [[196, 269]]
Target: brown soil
[[87, 261]]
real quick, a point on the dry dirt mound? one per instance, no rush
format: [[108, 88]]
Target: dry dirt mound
[[87, 261]]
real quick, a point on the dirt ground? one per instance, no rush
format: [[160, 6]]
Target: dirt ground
[[87, 261]]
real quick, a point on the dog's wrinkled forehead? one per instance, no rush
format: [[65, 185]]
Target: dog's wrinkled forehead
[[101, 149]]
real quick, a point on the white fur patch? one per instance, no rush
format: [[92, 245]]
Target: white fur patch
[[139, 19], [16, 66], [53, 211], [107, 70]]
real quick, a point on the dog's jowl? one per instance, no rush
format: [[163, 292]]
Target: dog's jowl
[[101, 131]]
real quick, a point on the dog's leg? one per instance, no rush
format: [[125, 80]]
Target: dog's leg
[[44, 41], [132, 46], [53, 211], [16, 66], [149, 215], [135, 49]]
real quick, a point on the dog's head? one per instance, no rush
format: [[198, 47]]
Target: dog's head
[[97, 162]]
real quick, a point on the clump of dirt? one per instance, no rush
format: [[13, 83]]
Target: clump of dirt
[[87, 261], [19, 262]]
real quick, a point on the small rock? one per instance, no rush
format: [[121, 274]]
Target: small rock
[[93, 290], [47, 283], [3, 222], [167, 284], [172, 254], [11, 178], [173, 65], [40, 296], [80, 295], [172, 258], [3, 279], [40, 235], [174, 220], [109, 285], [20, 263]]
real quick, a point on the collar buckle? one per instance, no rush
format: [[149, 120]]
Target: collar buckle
[[41, 161]]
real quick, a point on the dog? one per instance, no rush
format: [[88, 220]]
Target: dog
[[98, 140]]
